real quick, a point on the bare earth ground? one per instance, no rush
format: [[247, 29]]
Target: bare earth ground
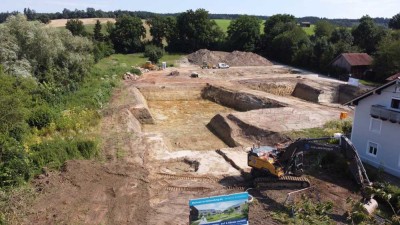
[[150, 171]]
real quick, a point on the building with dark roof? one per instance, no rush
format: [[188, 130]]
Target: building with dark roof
[[376, 127], [356, 64]]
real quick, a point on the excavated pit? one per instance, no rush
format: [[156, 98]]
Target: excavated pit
[[183, 123], [182, 114]]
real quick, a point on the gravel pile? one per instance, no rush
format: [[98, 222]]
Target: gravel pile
[[235, 58]]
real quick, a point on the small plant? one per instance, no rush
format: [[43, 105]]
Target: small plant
[[305, 212], [356, 214], [41, 117], [136, 71]]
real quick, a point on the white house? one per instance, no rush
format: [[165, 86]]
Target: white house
[[376, 127]]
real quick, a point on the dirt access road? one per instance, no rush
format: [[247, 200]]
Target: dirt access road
[[160, 148]]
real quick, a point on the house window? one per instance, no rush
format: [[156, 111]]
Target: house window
[[375, 125], [395, 103], [372, 148]]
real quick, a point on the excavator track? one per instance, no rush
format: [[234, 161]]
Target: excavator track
[[183, 177], [282, 182], [228, 185]]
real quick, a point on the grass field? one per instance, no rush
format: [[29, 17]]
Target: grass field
[[224, 24], [309, 30], [137, 59]]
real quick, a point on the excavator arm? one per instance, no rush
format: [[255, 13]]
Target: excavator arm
[[290, 160], [345, 147]]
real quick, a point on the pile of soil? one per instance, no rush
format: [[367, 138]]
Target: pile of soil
[[235, 58]]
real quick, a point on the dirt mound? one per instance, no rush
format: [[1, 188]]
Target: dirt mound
[[239, 100], [235, 58]]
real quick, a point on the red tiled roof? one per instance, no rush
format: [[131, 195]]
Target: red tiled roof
[[358, 59], [394, 77]]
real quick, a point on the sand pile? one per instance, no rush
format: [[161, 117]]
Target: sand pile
[[235, 58]]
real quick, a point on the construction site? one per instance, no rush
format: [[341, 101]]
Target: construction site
[[168, 137]]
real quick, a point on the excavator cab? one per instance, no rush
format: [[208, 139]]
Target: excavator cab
[[297, 168]]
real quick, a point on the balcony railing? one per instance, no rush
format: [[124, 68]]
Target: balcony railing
[[383, 113]]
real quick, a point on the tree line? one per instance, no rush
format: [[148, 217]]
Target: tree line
[[93, 13], [283, 40]]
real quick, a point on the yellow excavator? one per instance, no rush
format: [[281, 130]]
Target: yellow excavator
[[282, 166]]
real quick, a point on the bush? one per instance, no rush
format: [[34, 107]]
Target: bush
[[102, 50], [136, 71], [41, 117], [14, 164], [153, 52], [55, 152]]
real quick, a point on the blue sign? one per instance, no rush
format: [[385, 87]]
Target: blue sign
[[220, 210]]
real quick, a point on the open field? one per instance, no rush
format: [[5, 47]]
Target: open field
[[170, 138], [62, 22], [224, 24], [136, 59], [89, 25], [309, 30]]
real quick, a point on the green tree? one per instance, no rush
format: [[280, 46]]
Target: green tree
[[275, 20], [286, 45], [194, 30], [394, 23], [387, 59], [274, 26], [109, 27], [159, 28], [51, 56], [342, 34], [127, 34], [76, 27], [154, 53], [323, 29], [44, 19], [97, 35], [244, 33], [324, 52], [367, 34]]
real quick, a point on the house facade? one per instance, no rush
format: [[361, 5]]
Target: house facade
[[355, 64], [376, 127]]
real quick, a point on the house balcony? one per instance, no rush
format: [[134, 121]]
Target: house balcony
[[383, 113]]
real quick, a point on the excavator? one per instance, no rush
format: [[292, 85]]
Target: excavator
[[282, 166]]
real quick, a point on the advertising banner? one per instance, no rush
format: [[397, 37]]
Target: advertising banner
[[220, 210]]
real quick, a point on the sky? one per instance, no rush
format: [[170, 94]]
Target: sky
[[321, 8]]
